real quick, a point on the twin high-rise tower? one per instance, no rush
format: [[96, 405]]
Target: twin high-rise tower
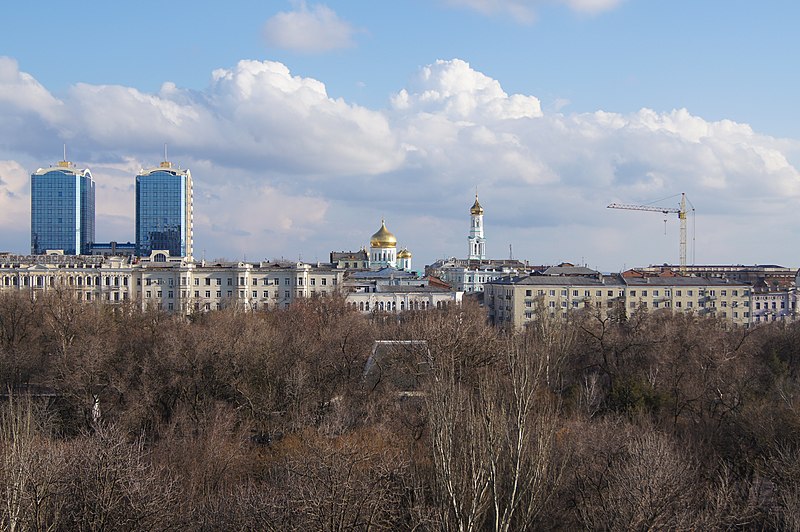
[[63, 210], [164, 205]]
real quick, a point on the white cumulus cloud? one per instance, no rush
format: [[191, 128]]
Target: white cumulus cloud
[[308, 29], [283, 169]]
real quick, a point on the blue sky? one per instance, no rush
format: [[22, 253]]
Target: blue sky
[[304, 123]]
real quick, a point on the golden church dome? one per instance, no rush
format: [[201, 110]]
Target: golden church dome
[[476, 207], [383, 238], [404, 254]]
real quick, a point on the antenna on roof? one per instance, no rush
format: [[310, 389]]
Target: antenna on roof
[[63, 163], [510, 253], [165, 163]]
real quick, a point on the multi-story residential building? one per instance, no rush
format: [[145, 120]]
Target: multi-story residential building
[[164, 211], [516, 301], [173, 284], [62, 209], [90, 278], [762, 277], [179, 284], [705, 296], [774, 306]]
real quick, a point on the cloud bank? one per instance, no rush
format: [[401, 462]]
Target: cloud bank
[[283, 169]]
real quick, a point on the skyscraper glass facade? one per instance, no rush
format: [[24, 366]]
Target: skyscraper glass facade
[[164, 211], [62, 209]]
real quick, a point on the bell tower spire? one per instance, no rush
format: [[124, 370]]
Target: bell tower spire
[[476, 239]]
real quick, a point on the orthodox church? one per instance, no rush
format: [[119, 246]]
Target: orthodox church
[[383, 251]]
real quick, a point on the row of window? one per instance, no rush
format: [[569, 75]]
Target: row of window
[[667, 292]]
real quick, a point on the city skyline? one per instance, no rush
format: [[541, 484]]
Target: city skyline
[[314, 121]]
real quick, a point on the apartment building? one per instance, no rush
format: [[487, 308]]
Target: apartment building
[[515, 301], [173, 284]]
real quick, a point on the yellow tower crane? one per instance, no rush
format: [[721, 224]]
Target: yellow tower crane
[[681, 212]]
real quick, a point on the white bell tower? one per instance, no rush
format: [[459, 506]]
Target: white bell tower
[[476, 240]]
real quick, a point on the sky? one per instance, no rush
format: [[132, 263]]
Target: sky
[[305, 123]]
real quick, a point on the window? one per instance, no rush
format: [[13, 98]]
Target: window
[[313, 281], [264, 294], [196, 281], [286, 294], [197, 294], [169, 294], [575, 293], [324, 281], [208, 293], [633, 293], [158, 294], [655, 293], [287, 281], [644, 293], [528, 293], [208, 281], [147, 294], [598, 293]]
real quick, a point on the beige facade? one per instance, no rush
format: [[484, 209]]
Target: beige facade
[[173, 285], [397, 299], [516, 301]]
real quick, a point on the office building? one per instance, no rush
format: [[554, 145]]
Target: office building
[[62, 209], [164, 206]]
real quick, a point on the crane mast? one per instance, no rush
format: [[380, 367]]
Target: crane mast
[[681, 212]]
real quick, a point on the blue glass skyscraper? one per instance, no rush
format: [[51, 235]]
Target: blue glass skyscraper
[[164, 211], [62, 209]]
